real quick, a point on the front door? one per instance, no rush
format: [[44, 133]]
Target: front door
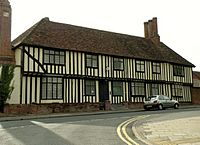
[[103, 90]]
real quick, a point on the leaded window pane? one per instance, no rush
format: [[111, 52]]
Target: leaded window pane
[[46, 58], [118, 63], [94, 62], [154, 89], [177, 90], [178, 70], [54, 57], [138, 89], [57, 59], [62, 59], [90, 87], [54, 91], [55, 80], [52, 88], [51, 52], [59, 91], [49, 93], [156, 67], [51, 58], [43, 91], [91, 60], [140, 66], [62, 53], [118, 88]]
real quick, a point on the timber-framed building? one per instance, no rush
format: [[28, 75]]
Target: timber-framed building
[[63, 63]]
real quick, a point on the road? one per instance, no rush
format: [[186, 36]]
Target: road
[[104, 129]]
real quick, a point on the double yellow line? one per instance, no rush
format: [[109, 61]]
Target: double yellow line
[[121, 130]]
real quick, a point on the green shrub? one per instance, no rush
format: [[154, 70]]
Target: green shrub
[[6, 88]]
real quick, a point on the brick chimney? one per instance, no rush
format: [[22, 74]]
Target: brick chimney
[[151, 31], [6, 54]]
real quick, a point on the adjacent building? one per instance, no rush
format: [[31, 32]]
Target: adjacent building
[[6, 54], [63, 63], [196, 88]]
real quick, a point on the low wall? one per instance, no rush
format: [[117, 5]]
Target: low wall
[[132, 105], [195, 95], [50, 108]]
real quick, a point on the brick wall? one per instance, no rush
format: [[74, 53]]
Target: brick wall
[[50, 108], [6, 54], [196, 95]]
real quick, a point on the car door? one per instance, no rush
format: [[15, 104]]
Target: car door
[[162, 100], [168, 102]]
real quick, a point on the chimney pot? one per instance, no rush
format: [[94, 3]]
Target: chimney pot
[[151, 30]]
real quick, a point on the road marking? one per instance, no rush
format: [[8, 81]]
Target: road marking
[[121, 130]]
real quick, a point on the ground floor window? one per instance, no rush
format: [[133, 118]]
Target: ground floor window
[[154, 89], [52, 88], [117, 88], [137, 89], [90, 87], [177, 91]]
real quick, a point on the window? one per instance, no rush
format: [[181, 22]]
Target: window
[[154, 89], [178, 70], [52, 88], [118, 64], [177, 91], [90, 87], [54, 57], [156, 68], [117, 88], [138, 89], [139, 66], [91, 61]]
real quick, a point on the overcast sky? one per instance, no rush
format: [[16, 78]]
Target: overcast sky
[[178, 20]]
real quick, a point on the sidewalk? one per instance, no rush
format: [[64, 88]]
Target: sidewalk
[[56, 115], [185, 131]]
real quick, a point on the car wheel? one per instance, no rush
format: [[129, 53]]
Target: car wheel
[[160, 107], [146, 108], [176, 106]]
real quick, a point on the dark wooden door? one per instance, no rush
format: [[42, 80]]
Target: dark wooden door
[[103, 90]]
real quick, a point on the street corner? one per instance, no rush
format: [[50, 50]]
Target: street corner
[[184, 131]]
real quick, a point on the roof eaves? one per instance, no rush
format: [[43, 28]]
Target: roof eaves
[[20, 39]]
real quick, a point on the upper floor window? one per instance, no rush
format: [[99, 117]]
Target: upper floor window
[[90, 87], [118, 64], [156, 68], [91, 61], [54, 57], [140, 67], [178, 70], [117, 88]]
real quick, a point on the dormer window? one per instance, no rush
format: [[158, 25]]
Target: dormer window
[[178, 70], [118, 64]]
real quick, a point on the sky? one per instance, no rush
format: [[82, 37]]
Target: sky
[[178, 20]]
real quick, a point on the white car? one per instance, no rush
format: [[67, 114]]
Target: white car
[[160, 102]]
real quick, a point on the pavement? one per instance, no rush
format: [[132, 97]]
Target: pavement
[[56, 115], [184, 131], [173, 132]]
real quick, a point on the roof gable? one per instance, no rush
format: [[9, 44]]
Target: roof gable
[[64, 36]]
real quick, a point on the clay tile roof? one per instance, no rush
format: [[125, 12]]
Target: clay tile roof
[[64, 36], [196, 75]]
